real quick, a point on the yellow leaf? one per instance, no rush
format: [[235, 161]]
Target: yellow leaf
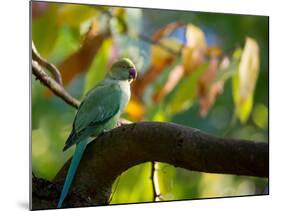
[[248, 68], [135, 110], [245, 108], [195, 37], [193, 54], [244, 81], [118, 11], [74, 15], [214, 51], [159, 117], [45, 31]]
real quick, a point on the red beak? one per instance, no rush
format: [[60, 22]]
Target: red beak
[[133, 73]]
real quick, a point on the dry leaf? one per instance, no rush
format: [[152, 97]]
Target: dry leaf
[[193, 54], [208, 90], [80, 60], [160, 58], [174, 77]]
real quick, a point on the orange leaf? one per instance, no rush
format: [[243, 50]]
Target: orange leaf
[[153, 71], [207, 89], [81, 59], [192, 58], [135, 110], [161, 56]]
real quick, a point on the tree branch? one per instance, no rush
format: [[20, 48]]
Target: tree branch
[[123, 147], [156, 42], [44, 63], [55, 85], [56, 88], [156, 194], [152, 175]]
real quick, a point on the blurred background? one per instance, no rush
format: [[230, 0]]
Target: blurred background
[[203, 70]]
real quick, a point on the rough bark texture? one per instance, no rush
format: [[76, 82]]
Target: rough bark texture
[[119, 149]]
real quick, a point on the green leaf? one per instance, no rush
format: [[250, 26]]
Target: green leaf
[[260, 116], [165, 174], [242, 109], [186, 91], [99, 66], [66, 44], [45, 31], [159, 114], [133, 185]]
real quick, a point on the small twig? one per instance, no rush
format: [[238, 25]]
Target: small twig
[[164, 47], [44, 63], [153, 176], [56, 88]]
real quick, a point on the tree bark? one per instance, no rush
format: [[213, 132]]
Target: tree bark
[[121, 148]]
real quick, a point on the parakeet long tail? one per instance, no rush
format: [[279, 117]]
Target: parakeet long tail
[[80, 147]]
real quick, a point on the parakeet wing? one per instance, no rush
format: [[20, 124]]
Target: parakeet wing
[[100, 104]]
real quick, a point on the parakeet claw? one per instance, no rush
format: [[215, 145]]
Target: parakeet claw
[[103, 132], [119, 124]]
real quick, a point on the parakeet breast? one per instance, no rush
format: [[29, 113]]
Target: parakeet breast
[[126, 94]]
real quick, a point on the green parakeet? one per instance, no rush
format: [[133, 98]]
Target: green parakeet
[[98, 112]]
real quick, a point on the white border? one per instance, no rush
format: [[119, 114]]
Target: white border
[[15, 102]]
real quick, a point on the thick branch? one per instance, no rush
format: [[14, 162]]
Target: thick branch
[[121, 148]]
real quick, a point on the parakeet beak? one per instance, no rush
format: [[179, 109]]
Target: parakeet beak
[[132, 74]]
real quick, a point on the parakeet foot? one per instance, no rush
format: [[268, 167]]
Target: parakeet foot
[[119, 124], [123, 122], [103, 132]]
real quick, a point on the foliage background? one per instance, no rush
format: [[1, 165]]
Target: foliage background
[[59, 31]]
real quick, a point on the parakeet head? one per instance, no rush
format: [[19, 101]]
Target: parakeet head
[[123, 69]]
